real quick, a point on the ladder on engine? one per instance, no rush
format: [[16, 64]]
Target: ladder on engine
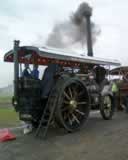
[[47, 115]]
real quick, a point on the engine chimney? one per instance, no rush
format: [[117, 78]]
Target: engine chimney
[[87, 14]]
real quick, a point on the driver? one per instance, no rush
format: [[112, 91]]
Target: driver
[[26, 72]]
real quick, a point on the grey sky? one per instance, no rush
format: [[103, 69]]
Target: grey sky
[[31, 21]]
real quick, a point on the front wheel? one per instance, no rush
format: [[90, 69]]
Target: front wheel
[[107, 107]]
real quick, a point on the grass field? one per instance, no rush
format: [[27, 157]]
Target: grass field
[[5, 99], [8, 117]]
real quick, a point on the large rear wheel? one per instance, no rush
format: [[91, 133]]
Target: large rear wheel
[[73, 104]]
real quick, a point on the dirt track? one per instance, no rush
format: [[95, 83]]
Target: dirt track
[[98, 140]]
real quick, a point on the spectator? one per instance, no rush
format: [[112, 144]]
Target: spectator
[[115, 93], [114, 87], [35, 72]]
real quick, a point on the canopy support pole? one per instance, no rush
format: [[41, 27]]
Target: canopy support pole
[[16, 67]]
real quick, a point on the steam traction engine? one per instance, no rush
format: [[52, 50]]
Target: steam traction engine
[[70, 87]]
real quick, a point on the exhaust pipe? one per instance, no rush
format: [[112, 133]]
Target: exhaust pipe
[[89, 37], [16, 67], [87, 15]]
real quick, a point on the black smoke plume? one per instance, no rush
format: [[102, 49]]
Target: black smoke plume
[[73, 31]]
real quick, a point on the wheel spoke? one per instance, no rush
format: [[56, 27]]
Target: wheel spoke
[[81, 103], [66, 102], [67, 96], [78, 111], [74, 92], [70, 92], [75, 118]]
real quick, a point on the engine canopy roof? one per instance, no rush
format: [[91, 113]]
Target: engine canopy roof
[[45, 55]]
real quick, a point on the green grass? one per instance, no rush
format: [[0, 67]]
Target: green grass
[[8, 117], [5, 99]]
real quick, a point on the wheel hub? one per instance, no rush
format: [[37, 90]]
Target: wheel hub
[[73, 104], [107, 103]]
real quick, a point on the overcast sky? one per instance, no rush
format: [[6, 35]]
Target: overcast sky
[[31, 21]]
